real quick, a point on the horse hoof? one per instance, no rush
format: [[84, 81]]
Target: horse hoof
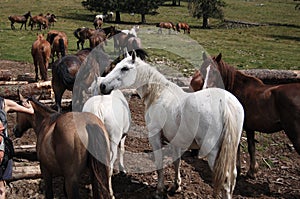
[[250, 175], [174, 189]]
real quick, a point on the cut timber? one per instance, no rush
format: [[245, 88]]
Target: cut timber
[[37, 89], [5, 75], [25, 172], [13, 83], [26, 77], [275, 76]]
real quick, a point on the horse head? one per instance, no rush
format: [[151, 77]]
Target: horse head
[[123, 75]]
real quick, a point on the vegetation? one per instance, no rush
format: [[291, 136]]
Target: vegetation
[[276, 45]]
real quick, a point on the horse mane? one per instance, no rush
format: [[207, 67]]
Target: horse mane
[[230, 75]]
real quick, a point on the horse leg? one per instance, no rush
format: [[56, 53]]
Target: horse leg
[[21, 26], [12, 26], [36, 70], [58, 92], [176, 188], [48, 182], [238, 161], [251, 150], [121, 155], [71, 184], [154, 139]]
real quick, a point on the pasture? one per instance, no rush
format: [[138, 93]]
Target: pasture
[[273, 45]]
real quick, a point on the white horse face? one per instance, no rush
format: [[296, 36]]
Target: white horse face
[[122, 76]]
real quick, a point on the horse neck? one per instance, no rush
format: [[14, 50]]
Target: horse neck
[[41, 114], [234, 79], [151, 84]]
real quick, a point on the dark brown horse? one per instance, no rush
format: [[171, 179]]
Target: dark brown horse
[[166, 25], [51, 19], [82, 34], [98, 23], [41, 51], [268, 108], [19, 19], [66, 145], [184, 26], [59, 43]]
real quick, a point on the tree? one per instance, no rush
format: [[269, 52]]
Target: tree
[[174, 2], [142, 7], [206, 9]]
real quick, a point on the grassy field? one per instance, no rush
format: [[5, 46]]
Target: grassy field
[[273, 46]]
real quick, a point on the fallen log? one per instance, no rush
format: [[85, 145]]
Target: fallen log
[[31, 89], [26, 77], [25, 172], [275, 76], [13, 83], [5, 75]]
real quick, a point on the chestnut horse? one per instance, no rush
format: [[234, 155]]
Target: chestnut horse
[[268, 108], [184, 26], [167, 25], [82, 34], [98, 23], [41, 51], [19, 19], [59, 43], [42, 22], [66, 145]]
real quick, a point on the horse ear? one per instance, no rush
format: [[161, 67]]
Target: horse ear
[[126, 52], [219, 57], [204, 56], [133, 56]]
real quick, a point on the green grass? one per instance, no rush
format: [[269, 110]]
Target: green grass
[[274, 47]]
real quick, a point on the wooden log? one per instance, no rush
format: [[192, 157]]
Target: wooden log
[[25, 172], [5, 75], [275, 76], [32, 89], [13, 83], [26, 77]]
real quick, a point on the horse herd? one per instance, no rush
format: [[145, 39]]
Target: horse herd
[[170, 25], [209, 120]]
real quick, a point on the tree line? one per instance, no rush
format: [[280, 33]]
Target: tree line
[[204, 9]]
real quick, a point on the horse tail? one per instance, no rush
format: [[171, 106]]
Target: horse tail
[[225, 164], [44, 60], [62, 47], [76, 33], [99, 160]]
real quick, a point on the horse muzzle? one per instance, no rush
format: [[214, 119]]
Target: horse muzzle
[[104, 89]]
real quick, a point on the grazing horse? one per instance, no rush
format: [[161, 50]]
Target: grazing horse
[[167, 25], [42, 22], [268, 108], [210, 120], [59, 43], [113, 110], [51, 19], [41, 51], [19, 19], [184, 26], [66, 145], [98, 23], [82, 34]]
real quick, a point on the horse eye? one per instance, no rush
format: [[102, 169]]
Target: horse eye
[[124, 69]]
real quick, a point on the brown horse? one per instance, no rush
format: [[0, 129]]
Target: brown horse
[[40, 20], [59, 43], [98, 38], [167, 25], [98, 23], [51, 19], [268, 108], [19, 19], [184, 26], [41, 51], [66, 145], [82, 34]]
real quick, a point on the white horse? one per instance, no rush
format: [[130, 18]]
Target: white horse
[[210, 120], [113, 110], [133, 31]]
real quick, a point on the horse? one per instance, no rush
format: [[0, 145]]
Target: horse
[[167, 25], [66, 145], [113, 110], [19, 19], [132, 31], [41, 51], [82, 34], [51, 19], [42, 22], [268, 108], [98, 23], [98, 38], [59, 43], [64, 73], [210, 120], [184, 26]]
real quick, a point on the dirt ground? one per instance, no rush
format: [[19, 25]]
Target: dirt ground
[[278, 175]]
